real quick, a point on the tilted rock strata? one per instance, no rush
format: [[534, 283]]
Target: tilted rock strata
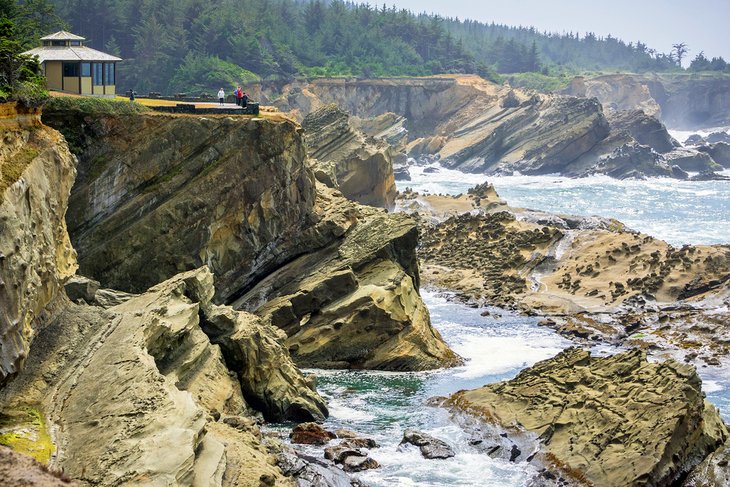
[[157, 195], [355, 303], [138, 393], [37, 172], [614, 421], [362, 167], [238, 195]]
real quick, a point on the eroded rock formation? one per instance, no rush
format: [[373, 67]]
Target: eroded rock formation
[[613, 421], [360, 167], [37, 172]]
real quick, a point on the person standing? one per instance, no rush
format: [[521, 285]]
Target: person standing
[[239, 95], [221, 96]]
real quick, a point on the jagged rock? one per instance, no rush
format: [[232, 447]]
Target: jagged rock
[[633, 161], [79, 287], [692, 160], [107, 298], [716, 137], [645, 129], [720, 153], [709, 176], [18, 470], [311, 472], [135, 392], [621, 91], [311, 434], [695, 139], [431, 448], [249, 208], [389, 127], [35, 252], [713, 471], [362, 167], [615, 421], [355, 303], [357, 463], [402, 174]]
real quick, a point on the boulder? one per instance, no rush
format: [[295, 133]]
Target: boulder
[[357, 463], [645, 129], [709, 176], [431, 448], [311, 472], [720, 153], [311, 434], [79, 287], [695, 139], [692, 160], [716, 137], [613, 421], [402, 174], [713, 471]]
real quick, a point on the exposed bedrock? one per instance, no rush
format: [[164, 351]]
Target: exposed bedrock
[[473, 125], [355, 302], [158, 195], [681, 101], [608, 421], [37, 172], [158, 389], [361, 167]]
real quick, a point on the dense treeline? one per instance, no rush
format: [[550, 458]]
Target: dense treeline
[[20, 78], [199, 45], [496, 44], [701, 63]]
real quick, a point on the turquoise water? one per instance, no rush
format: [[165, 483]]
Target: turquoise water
[[680, 212], [381, 405]]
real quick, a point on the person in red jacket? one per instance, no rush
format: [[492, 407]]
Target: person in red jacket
[[239, 95]]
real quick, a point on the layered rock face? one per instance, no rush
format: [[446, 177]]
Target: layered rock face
[[238, 195], [355, 302], [37, 172], [613, 421], [472, 125], [157, 195], [158, 389], [360, 167], [680, 101]]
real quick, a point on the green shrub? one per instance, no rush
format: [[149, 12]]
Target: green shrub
[[93, 105]]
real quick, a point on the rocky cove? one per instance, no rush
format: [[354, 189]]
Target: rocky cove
[[227, 252]]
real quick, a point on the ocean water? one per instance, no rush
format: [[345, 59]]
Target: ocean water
[[381, 405], [680, 212]]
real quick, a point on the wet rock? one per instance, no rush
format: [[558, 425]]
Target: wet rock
[[592, 421], [402, 174], [720, 153], [81, 288], [431, 448], [716, 137], [714, 471], [310, 472], [692, 160], [709, 176], [645, 129], [359, 463], [695, 139], [311, 434]]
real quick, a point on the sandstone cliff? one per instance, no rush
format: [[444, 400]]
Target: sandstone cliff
[[157, 195], [36, 174], [476, 126], [158, 390], [360, 167], [613, 421], [682, 101]]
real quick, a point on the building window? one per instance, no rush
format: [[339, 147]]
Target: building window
[[98, 72], [75, 43], [108, 74], [86, 69], [46, 43], [71, 70], [58, 43]]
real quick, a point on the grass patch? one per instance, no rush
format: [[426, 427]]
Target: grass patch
[[14, 167], [94, 105], [538, 81], [25, 432]]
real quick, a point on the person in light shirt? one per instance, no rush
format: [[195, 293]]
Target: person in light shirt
[[221, 96]]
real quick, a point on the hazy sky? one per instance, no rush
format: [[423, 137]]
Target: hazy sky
[[702, 24]]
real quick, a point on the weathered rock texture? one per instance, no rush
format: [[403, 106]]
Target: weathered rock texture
[[18, 470], [36, 174], [475, 126], [614, 421], [681, 101], [161, 194], [359, 166], [355, 302], [141, 392]]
